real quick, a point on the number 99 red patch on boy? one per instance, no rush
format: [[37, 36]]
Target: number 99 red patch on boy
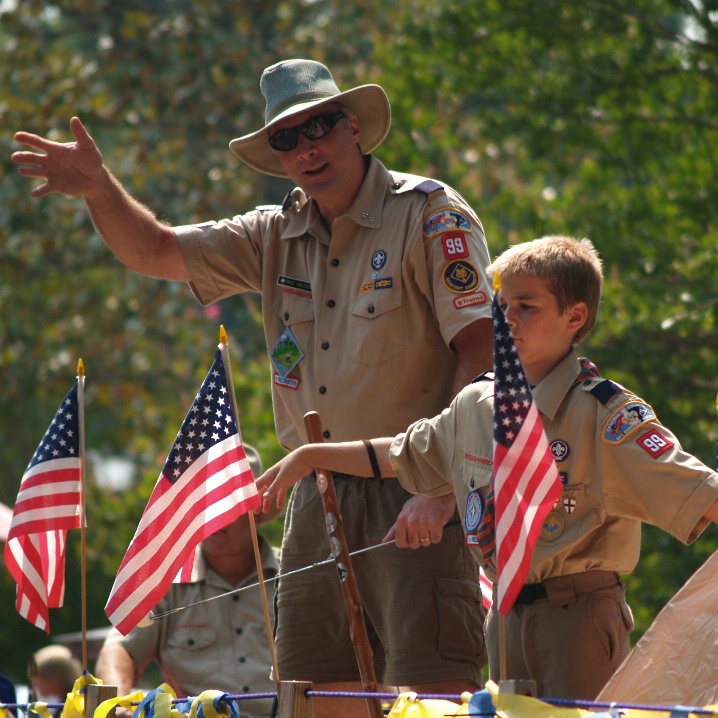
[[654, 443]]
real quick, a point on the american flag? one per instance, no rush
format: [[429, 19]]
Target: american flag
[[206, 483], [526, 480], [47, 506]]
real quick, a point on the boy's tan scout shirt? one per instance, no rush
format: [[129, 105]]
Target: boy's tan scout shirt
[[619, 465]]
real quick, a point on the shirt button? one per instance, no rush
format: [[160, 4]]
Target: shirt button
[[190, 642], [238, 631], [327, 434], [335, 262], [370, 309], [331, 303], [245, 689], [242, 659], [286, 316], [322, 390], [325, 345], [235, 598]]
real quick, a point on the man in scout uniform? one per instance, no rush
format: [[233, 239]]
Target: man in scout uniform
[[569, 629], [376, 312], [212, 644]]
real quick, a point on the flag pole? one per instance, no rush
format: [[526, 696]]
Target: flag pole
[[83, 515], [502, 619], [224, 349]]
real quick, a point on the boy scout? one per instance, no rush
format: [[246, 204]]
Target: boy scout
[[568, 630]]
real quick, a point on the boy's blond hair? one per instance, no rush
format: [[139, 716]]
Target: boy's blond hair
[[571, 267]]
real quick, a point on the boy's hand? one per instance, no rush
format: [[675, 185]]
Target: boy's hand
[[278, 479]]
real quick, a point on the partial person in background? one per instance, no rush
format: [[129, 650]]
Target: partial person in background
[[220, 645], [7, 693], [53, 671]]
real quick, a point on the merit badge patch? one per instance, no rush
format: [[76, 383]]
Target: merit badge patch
[[625, 420], [553, 526], [285, 353], [559, 450], [454, 244], [474, 511], [654, 443], [461, 277], [446, 220]]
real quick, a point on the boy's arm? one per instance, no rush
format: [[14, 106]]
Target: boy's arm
[[712, 512], [350, 457]]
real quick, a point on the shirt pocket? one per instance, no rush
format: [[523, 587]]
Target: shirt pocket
[[564, 523], [376, 327], [192, 638], [294, 313]]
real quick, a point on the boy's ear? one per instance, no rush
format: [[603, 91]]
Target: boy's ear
[[577, 315]]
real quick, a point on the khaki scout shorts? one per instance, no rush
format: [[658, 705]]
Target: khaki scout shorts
[[423, 607], [569, 635]]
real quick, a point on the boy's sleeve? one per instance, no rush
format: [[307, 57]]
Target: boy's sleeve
[[659, 482], [451, 453], [422, 458]]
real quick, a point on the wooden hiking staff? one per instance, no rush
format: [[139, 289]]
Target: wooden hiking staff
[[340, 553]]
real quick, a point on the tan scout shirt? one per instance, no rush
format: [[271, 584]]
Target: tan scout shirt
[[220, 645], [616, 473], [373, 307]]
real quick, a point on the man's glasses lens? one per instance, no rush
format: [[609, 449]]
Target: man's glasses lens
[[314, 128]]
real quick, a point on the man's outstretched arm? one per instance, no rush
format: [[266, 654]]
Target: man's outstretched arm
[[131, 231]]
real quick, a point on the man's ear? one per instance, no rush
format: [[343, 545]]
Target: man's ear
[[356, 130]]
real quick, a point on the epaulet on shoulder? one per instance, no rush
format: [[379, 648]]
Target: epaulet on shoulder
[[486, 375], [406, 183], [602, 389]]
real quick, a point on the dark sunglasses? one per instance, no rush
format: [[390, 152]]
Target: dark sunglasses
[[314, 128]]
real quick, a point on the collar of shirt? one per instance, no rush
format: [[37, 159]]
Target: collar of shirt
[[366, 210], [270, 565], [550, 392]]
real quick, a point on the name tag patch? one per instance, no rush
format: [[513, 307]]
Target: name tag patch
[[297, 284]]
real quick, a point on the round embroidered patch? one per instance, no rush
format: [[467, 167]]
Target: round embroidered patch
[[460, 276]]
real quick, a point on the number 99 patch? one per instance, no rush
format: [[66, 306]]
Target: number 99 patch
[[454, 244], [654, 443]]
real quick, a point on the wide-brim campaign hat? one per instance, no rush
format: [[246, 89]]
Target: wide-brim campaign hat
[[292, 86]]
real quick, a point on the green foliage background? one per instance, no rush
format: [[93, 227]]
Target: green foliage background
[[595, 118]]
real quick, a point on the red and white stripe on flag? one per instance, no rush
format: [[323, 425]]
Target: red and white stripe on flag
[[487, 589], [526, 487], [206, 483], [47, 506]]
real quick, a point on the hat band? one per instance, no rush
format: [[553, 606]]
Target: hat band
[[298, 100]]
